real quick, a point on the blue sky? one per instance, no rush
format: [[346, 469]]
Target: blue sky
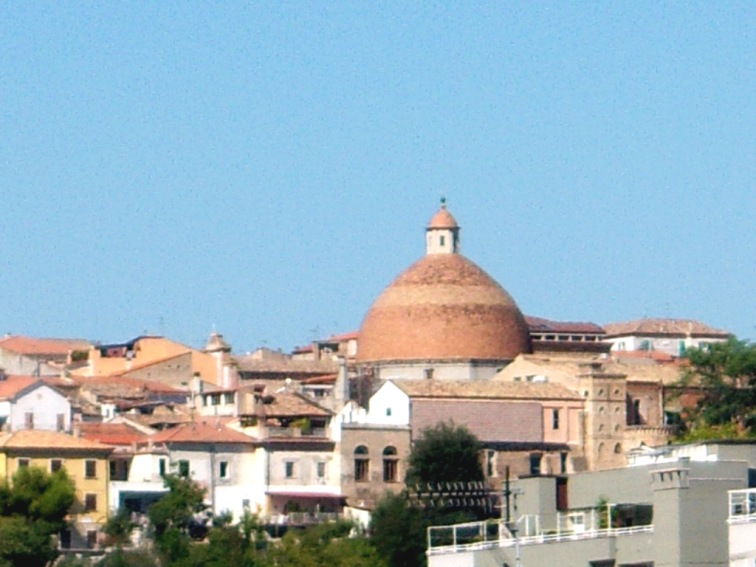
[[268, 168]]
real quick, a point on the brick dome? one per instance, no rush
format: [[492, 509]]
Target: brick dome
[[443, 307]]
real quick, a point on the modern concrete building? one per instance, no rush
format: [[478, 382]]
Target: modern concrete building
[[677, 512]]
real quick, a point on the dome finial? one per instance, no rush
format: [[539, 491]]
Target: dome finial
[[443, 201]]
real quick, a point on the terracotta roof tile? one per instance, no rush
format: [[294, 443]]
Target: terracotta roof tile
[[283, 365], [111, 433], [674, 327], [42, 439], [293, 404], [50, 347], [541, 325], [485, 389], [14, 385], [201, 432]]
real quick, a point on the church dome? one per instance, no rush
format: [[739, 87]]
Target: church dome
[[443, 308]]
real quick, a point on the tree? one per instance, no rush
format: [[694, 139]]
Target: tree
[[445, 453], [325, 545], [398, 531], [725, 374], [174, 517], [33, 507]]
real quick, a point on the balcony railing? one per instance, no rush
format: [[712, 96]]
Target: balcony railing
[[493, 534], [295, 432], [742, 506], [303, 518]]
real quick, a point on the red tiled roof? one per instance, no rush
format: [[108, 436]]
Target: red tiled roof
[[201, 432], [351, 335], [654, 355], [34, 346], [42, 439], [539, 324], [674, 327], [485, 389], [330, 379], [13, 385], [123, 383], [111, 433]]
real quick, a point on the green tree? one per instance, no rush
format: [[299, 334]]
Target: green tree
[[173, 516], [725, 375], [398, 530], [33, 508], [445, 453], [118, 528], [326, 545]]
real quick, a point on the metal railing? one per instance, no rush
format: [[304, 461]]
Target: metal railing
[[742, 505], [493, 534], [303, 518]]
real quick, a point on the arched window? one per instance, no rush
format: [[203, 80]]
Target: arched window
[[618, 448], [361, 464], [390, 460]]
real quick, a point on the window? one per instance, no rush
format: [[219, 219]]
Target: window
[[388, 412], [55, 465], [635, 418], [390, 461], [90, 502], [183, 468], [563, 463], [321, 469], [228, 398], [289, 469], [23, 463], [29, 420], [442, 240], [555, 419], [90, 469], [428, 373], [490, 463], [60, 422], [65, 539], [223, 469], [535, 463], [618, 449], [161, 465], [91, 539], [361, 464], [216, 398]]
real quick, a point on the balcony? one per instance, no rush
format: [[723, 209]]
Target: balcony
[[492, 534], [303, 518], [742, 506]]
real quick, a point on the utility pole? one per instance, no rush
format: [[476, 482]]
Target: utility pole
[[509, 520]]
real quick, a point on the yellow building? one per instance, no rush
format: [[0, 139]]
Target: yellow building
[[86, 463]]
